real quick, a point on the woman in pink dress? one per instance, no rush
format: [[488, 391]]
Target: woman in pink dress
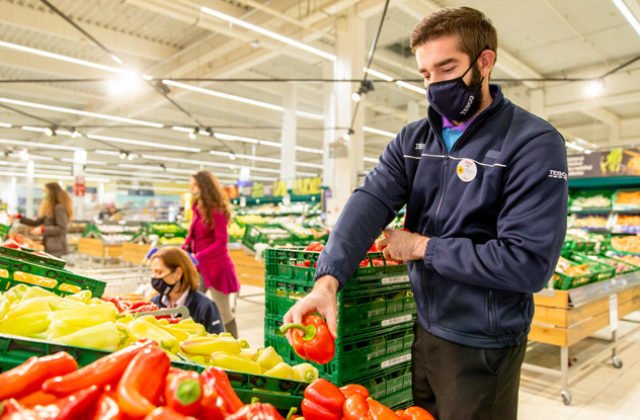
[[207, 241]]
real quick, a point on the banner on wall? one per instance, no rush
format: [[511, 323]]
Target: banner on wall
[[605, 163]]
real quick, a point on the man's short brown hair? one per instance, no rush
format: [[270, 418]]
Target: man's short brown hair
[[475, 30]]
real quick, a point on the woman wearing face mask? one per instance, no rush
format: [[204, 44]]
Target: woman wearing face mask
[[207, 241], [176, 280], [54, 215]]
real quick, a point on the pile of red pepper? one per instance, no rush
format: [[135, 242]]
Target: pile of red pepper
[[325, 401], [373, 262], [137, 382], [131, 307]]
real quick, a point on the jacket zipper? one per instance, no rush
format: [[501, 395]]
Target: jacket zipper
[[491, 311]]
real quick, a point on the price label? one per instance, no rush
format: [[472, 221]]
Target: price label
[[395, 280], [397, 320], [395, 361]]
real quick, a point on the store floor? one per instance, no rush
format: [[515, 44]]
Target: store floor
[[598, 390]]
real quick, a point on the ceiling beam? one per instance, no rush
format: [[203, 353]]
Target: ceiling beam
[[48, 24]]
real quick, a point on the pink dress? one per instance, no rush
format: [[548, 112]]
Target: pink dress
[[209, 246]]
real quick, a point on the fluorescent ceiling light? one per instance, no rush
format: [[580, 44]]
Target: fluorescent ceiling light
[[410, 87], [309, 150], [44, 175], [143, 143], [88, 162], [61, 57], [268, 33], [378, 131], [182, 129], [137, 174], [594, 88], [378, 74], [81, 113], [214, 164], [236, 98], [310, 165], [247, 157], [5, 125], [232, 137], [107, 153], [575, 146], [628, 14], [371, 160], [37, 145]]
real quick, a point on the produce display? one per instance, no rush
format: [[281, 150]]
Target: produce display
[[110, 324], [626, 223], [630, 259], [568, 268], [595, 201], [25, 242], [139, 382], [626, 243], [628, 198], [595, 221]]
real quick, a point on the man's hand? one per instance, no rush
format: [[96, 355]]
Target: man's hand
[[321, 299], [401, 245]]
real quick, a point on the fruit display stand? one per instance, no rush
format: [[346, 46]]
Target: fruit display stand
[[94, 247], [564, 317], [250, 270]]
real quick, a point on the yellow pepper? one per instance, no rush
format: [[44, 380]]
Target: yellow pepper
[[305, 372], [27, 307], [141, 328], [250, 354], [83, 296], [36, 292], [179, 334], [26, 325], [234, 362], [282, 371], [107, 336], [207, 345], [87, 315], [268, 358], [191, 327]]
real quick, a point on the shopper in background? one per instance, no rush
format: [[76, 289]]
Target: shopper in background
[[54, 215], [207, 241], [485, 188], [176, 280]]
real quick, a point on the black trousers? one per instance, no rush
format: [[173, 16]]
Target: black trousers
[[455, 382]]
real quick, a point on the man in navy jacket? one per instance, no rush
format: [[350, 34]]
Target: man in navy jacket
[[485, 188]]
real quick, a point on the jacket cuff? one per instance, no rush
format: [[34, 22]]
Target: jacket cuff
[[327, 270], [430, 253]]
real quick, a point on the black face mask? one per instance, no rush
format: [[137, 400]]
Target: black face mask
[[455, 100], [161, 286]]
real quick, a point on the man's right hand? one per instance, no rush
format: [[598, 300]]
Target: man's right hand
[[322, 299]]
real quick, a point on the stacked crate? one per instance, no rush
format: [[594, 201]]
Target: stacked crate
[[376, 313]]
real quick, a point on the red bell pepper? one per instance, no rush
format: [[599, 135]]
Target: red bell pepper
[[256, 411], [315, 247], [107, 409], [166, 413], [13, 410], [28, 377], [77, 405], [183, 392], [350, 389], [212, 406], [121, 305], [103, 371], [217, 379], [37, 398], [378, 411], [312, 339], [355, 407], [322, 401], [142, 383], [414, 413]]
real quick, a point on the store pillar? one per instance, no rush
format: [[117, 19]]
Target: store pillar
[[289, 129], [31, 169], [79, 185], [346, 153]]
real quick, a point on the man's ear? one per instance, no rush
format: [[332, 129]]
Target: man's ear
[[486, 61]]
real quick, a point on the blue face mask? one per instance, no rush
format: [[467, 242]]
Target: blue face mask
[[455, 100]]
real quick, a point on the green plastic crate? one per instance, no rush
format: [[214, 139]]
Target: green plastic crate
[[30, 255], [298, 266], [387, 386], [356, 356], [59, 281], [399, 400], [165, 229], [270, 234], [609, 261], [281, 393], [597, 272], [4, 231], [364, 310]]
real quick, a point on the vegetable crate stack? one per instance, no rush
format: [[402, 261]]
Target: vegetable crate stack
[[376, 313]]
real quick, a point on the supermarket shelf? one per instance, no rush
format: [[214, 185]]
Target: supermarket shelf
[[582, 295]]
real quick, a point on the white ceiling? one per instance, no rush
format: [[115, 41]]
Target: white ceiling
[[172, 39]]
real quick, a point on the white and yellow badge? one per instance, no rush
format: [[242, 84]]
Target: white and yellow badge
[[467, 170]]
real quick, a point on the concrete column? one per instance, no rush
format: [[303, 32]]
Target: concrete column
[[31, 170], [288, 138], [536, 103], [415, 111], [79, 161], [347, 154], [12, 196]]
